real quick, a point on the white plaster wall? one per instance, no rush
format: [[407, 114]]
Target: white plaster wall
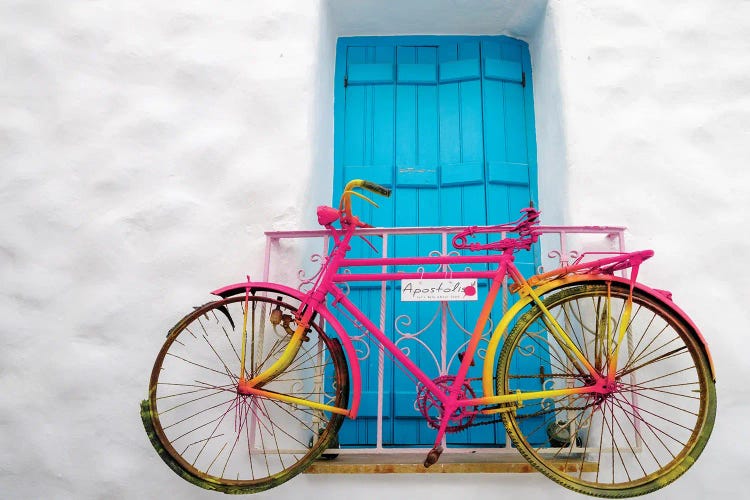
[[145, 147]]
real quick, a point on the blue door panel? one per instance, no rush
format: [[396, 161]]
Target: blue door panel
[[461, 121], [416, 123], [370, 74], [368, 154], [417, 73], [459, 71], [448, 123], [505, 172], [508, 71]]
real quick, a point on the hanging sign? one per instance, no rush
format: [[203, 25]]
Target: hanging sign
[[429, 290]]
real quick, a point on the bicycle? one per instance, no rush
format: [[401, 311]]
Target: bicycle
[[620, 400]]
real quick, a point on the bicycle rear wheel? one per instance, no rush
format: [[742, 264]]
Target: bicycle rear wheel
[[221, 440], [640, 437]]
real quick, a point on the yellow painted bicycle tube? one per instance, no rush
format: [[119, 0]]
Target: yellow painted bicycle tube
[[624, 323], [524, 396], [299, 401], [281, 364]]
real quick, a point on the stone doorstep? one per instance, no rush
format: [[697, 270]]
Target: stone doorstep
[[411, 463]]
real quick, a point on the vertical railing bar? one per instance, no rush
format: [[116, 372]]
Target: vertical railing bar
[[267, 258], [443, 319], [508, 442], [381, 350], [265, 277], [563, 261], [322, 320], [621, 245], [632, 376], [444, 328]]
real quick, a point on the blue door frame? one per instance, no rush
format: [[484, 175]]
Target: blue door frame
[[448, 123]]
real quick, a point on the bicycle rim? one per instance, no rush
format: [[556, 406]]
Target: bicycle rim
[[221, 440], [643, 435]]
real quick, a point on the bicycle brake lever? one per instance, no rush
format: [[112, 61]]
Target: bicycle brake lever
[[368, 200], [368, 242]]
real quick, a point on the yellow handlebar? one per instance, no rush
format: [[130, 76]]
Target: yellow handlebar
[[376, 188], [369, 186], [346, 205]]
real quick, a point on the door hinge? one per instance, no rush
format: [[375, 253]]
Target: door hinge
[[346, 81], [523, 79]]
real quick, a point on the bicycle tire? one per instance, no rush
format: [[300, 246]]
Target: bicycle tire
[[637, 439], [220, 440]]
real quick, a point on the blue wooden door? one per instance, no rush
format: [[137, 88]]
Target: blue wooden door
[[447, 122]]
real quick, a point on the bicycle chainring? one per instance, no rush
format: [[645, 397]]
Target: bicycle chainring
[[433, 410]]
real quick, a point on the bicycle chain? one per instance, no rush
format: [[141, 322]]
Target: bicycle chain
[[479, 415]]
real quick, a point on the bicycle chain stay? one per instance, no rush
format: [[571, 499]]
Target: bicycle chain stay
[[475, 416]]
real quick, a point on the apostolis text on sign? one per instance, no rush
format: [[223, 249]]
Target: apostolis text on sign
[[426, 290]]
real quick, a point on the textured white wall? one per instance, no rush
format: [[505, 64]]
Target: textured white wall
[[146, 146]]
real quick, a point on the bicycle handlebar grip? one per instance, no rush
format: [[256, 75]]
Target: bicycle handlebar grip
[[376, 188]]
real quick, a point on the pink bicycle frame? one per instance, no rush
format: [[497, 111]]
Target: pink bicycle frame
[[330, 276]]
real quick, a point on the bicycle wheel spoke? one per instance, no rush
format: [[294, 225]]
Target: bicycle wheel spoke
[[637, 389], [249, 447], [655, 430], [627, 441], [551, 353], [191, 333], [193, 415], [640, 436], [638, 355], [670, 374], [231, 344], [661, 357], [221, 360], [200, 388], [633, 355], [272, 430], [281, 429], [610, 424], [196, 364], [273, 351], [675, 407], [190, 401]]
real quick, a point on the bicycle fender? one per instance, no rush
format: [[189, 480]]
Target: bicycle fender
[[256, 286], [660, 296], [351, 353]]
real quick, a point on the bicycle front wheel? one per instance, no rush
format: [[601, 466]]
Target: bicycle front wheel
[[639, 437], [219, 439]]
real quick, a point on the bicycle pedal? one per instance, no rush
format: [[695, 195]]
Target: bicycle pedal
[[433, 456]]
